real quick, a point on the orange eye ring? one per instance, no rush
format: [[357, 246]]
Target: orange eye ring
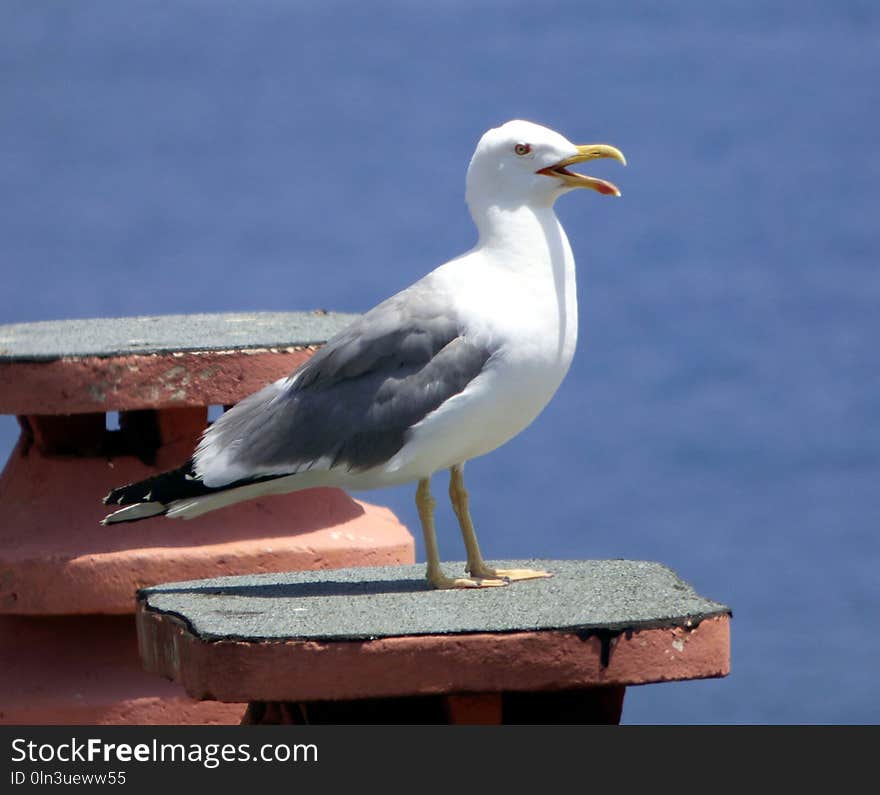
[[522, 149]]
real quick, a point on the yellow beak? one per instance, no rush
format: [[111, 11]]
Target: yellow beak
[[586, 152]]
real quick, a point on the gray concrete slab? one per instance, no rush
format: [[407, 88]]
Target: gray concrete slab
[[56, 339], [369, 603]]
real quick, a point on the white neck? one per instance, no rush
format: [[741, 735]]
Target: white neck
[[523, 228], [531, 241]]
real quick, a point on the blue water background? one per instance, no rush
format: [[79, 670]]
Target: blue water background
[[723, 411]]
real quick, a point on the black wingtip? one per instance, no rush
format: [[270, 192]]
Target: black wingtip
[[164, 487], [117, 496]]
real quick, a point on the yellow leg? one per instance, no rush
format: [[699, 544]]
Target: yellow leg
[[425, 503], [476, 567]]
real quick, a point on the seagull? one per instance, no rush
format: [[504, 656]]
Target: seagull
[[446, 370]]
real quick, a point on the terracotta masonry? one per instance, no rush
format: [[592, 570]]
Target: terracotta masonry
[[376, 645], [68, 648]]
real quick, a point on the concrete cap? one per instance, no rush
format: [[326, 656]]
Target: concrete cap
[[56, 339], [380, 602], [380, 632], [125, 364]]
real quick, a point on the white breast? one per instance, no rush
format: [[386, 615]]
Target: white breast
[[521, 304]]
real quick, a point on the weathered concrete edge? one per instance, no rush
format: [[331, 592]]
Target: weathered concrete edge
[[234, 671], [261, 347], [685, 620], [143, 381], [306, 329]]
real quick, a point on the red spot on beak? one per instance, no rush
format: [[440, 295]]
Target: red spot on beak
[[606, 189]]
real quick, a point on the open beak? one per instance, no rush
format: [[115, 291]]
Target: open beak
[[586, 152]]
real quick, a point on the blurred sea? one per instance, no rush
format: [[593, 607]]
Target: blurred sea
[[723, 411]]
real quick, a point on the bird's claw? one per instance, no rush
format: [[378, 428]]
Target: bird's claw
[[509, 575], [442, 583]]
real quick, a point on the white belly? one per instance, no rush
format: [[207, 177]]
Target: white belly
[[532, 329], [495, 409]]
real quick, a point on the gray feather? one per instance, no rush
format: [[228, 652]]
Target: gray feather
[[353, 403]]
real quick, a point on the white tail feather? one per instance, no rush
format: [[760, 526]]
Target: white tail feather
[[196, 506], [140, 510]]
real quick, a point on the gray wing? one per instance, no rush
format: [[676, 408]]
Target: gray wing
[[352, 404]]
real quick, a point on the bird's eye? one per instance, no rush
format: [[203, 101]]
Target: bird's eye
[[522, 149]]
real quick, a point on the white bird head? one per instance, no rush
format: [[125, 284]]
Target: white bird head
[[521, 162]]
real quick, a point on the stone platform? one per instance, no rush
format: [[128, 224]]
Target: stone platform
[[364, 641], [104, 402]]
